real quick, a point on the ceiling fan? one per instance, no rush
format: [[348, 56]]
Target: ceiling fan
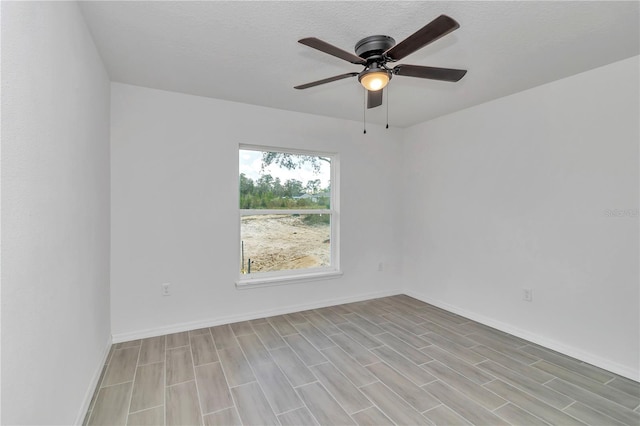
[[377, 51]]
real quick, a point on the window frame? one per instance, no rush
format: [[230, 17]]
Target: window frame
[[292, 276]]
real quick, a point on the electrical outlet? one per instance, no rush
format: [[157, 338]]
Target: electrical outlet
[[166, 291], [527, 294]]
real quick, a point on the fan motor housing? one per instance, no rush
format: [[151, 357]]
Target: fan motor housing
[[374, 45]]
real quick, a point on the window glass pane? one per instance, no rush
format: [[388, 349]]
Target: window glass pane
[[284, 242], [279, 180]]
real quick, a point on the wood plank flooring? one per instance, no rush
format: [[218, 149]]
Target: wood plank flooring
[[393, 360]]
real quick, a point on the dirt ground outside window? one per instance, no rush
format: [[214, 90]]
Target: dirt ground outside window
[[284, 242]]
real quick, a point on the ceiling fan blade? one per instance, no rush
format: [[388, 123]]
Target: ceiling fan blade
[[431, 32], [374, 99], [326, 80], [444, 74], [325, 47]]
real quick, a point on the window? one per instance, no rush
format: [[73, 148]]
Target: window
[[288, 215]]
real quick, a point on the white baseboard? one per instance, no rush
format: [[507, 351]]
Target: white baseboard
[[589, 358], [211, 322], [93, 385]]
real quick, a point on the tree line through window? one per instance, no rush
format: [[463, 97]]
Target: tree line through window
[[285, 212]]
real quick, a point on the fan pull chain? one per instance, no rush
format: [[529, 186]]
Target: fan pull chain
[[364, 113], [387, 107]]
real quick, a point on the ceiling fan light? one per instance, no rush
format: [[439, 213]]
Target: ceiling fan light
[[374, 80]]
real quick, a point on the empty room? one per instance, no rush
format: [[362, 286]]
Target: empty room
[[320, 213]]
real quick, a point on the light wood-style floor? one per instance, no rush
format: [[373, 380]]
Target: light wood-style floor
[[386, 361]]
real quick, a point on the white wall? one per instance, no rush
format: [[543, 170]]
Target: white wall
[[174, 209], [513, 194], [55, 219]]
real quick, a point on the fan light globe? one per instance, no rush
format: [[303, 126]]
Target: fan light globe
[[375, 80]]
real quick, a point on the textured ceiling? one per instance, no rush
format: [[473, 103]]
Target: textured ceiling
[[248, 51]]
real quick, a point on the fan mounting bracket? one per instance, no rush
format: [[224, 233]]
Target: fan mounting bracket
[[374, 46]]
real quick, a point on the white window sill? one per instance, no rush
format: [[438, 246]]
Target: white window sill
[[245, 284]]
